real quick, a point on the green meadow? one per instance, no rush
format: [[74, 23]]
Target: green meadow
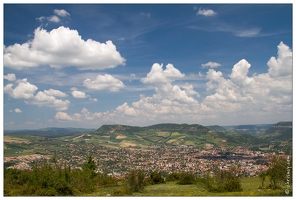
[[250, 187]]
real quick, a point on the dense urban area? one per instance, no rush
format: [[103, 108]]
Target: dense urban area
[[167, 159]]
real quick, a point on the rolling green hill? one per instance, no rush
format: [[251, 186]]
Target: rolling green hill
[[279, 136], [173, 134], [217, 128]]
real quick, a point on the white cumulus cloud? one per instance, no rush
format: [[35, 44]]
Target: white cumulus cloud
[[282, 65], [84, 116], [46, 99], [54, 18], [10, 77], [79, 94], [63, 116], [62, 47], [205, 12], [158, 75], [126, 110], [229, 98], [62, 13], [211, 64], [56, 93], [104, 82], [267, 92], [24, 90], [17, 110]]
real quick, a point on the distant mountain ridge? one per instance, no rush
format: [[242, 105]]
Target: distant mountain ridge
[[49, 132], [217, 128], [268, 137], [160, 127], [279, 131], [248, 129]]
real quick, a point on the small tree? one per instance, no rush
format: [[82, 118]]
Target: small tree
[[223, 181], [174, 176], [135, 180], [156, 178], [89, 167], [262, 176], [277, 171], [90, 164], [186, 179]]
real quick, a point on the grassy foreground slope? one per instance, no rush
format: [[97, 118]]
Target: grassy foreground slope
[[249, 184]]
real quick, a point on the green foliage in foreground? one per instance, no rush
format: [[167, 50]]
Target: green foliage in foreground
[[55, 180], [135, 181], [186, 179], [156, 178], [59, 180], [223, 181]]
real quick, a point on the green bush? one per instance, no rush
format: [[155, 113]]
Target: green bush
[[173, 177], [135, 180], [223, 181], [156, 178], [102, 179], [186, 179], [54, 180], [122, 192]]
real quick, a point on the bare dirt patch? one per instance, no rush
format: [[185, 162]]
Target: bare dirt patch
[[118, 137], [209, 146], [127, 144]]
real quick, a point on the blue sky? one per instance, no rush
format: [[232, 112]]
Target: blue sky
[[85, 65]]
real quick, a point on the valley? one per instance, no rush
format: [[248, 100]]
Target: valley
[[162, 147]]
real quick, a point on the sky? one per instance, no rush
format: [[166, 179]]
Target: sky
[[85, 65]]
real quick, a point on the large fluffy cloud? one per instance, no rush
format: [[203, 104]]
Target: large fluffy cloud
[[158, 75], [62, 47], [46, 99], [23, 89], [282, 65], [104, 82]]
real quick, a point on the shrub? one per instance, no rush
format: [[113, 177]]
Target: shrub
[[48, 180], [173, 177], [102, 179], [223, 181], [186, 179], [135, 181], [277, 171], [122, 192], [156, 178]]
